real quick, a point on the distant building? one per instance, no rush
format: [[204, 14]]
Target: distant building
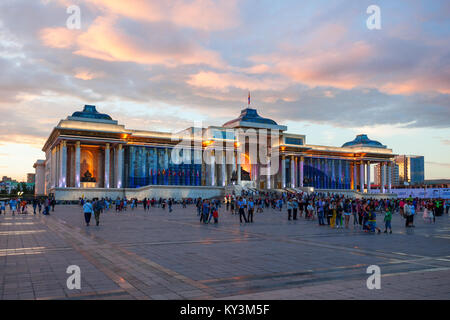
[[379, 171], [437, 183], [31, 177], [411, 169]]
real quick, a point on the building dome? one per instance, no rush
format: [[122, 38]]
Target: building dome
[[251, 115], [91, 113], [362, 140]]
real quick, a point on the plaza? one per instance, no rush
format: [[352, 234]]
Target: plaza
[[161, 255]]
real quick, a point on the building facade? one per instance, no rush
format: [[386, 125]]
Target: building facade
[[411, 169], [379, 171], [31, 177], [90, 154]]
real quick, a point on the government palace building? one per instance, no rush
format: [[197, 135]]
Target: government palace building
[[89, 154]]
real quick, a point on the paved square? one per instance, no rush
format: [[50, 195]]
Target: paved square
[[162, 255]]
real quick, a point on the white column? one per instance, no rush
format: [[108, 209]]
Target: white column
[[361, 176], [107, 152], [383, 177], [77, 164], [368, 176], [57, 165], [269, 176], [389, 177], [292, 172], [224, 171], [119, 174], [63, 165], [301, 171], [283, 172], [212, 169], [355, 177], [238, 167]]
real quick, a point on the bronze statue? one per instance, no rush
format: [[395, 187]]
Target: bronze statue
[[87, 177]]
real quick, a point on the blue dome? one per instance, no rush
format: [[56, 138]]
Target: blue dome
[[250, 115], [91, 113], [363, 141]]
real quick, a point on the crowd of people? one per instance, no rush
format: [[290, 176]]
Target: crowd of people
[[337, 211], [333, 210], [21, 206]]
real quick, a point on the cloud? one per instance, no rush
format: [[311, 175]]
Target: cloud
[[223, 81], [318, 69], [105, 41], [205, 15], [85, 74], [60, 37]]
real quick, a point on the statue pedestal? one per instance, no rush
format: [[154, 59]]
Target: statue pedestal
[[89, 185]]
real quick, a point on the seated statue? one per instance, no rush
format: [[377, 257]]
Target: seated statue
[[87, 177]]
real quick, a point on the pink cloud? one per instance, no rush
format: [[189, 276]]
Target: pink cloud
[[222, 81], [85, 74], [104, 41], [58, 37], [206, 15], [320, 67]]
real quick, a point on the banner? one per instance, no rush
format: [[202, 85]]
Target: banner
[[429, 193]]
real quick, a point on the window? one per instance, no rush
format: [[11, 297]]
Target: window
[[296, 141]]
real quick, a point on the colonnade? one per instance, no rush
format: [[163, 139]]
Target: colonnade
[[118, 168]]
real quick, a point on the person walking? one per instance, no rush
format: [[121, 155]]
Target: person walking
[[289, 209], [240, 205], [13, 206], [250, 210], [387, 220], [333, 214], [98, 208], [294, 208], [321, 212], [46, 206], [347, 213], [339, 211], [2, 207], [87, 209], [35, 201], [216, 215], [198, 205], [205, 212], [406, 213], [412, 212]]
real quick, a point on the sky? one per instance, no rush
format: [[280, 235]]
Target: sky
[[312, 65]]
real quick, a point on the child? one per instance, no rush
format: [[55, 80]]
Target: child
[[372, 223], [387, 220], [216, 215], [427, 214]]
